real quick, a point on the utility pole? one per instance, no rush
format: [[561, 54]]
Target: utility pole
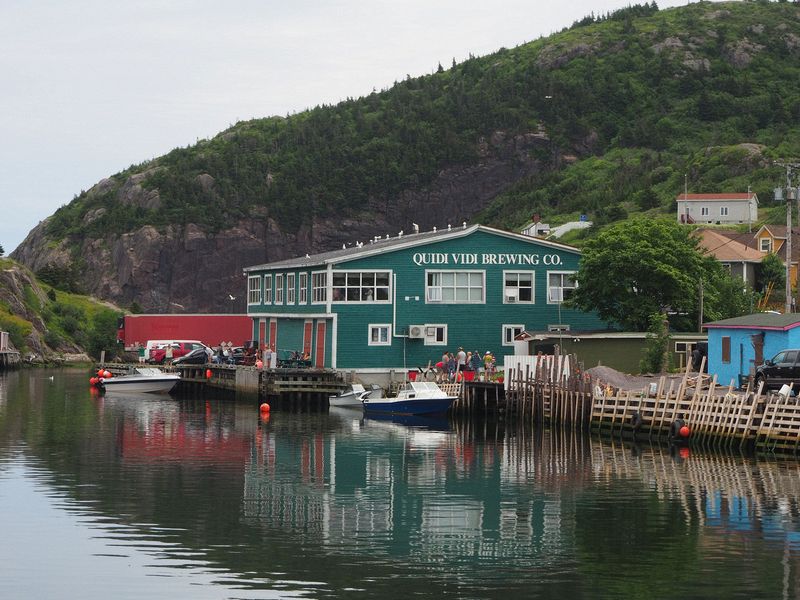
[[700, 317], [791, 194], [788, 306]]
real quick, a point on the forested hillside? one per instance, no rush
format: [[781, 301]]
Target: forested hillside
[[610, 116]]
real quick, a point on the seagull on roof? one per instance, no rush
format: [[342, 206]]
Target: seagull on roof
[[416, 227], [231, 297]]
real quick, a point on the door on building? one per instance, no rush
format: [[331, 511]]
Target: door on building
[[262, 333], [273, 334], [319, 358], [308, 335]]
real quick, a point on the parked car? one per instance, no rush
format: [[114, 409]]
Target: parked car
[[198, 356], [158, 355], [783, 368]]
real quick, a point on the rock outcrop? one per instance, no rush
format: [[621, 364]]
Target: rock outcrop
[[186, 269]]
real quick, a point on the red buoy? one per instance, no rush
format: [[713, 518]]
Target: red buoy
[[107, 374], [209, 373], [100, 372], [685, 432], [93, 380], [264, 408]]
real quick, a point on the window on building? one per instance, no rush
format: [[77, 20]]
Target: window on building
[[560, 286], [319, 287], [765, 244], [703, 211], [518, 287], [290, 288], [380, 335], [723, 211], [510, 332], [726, 349], [303, 288], [267, 289], [684, 347], [455, 287], [254, 289], [278, 289], [435, 335], [361, 286]]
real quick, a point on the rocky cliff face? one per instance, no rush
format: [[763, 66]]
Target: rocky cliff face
[[186, 269], [18, 288]]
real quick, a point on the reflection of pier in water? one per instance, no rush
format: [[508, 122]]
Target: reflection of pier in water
[[482, 491]]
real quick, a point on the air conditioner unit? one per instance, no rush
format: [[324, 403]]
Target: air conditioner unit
[[511, 296], [416, 332]]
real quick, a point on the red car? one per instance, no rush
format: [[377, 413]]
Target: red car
[[158, 356]]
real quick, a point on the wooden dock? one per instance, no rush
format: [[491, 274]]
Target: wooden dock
[[250, 380], [716, 417]]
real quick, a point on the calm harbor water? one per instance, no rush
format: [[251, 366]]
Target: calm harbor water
[[147, 496]]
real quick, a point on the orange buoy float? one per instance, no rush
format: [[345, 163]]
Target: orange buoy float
[[100, 372], [209, 373], [264, 408], [685, 432], [93, 381], [107, 374]]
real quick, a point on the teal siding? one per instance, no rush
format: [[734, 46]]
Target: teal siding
[[476, 327]]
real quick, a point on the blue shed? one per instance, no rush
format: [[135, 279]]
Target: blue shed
[[736, 346]]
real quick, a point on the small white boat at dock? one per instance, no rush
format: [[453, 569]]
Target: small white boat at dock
[[141, 379], [354, 396]]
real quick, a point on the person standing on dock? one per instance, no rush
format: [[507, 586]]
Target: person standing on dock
[[461, 358]]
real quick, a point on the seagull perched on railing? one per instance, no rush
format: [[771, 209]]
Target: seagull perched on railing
[[231, 297]]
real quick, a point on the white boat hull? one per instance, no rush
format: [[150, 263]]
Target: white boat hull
[[149, 381]]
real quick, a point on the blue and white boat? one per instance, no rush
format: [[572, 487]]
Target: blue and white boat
[[416, 398]]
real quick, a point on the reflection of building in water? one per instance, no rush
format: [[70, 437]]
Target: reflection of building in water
[[517, 498]]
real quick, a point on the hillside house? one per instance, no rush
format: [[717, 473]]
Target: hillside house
[[720, 209], [741, 259]]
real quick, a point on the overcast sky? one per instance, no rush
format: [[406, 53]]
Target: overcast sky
[[90, 87]]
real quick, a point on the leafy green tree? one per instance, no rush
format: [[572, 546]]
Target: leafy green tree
[[637, 268], [2, 250], [656, 353], [103, 334], [772, 271]]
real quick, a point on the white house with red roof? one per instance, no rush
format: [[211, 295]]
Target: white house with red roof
[[720, 209]]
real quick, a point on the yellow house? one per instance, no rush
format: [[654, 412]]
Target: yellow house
[[772, 238]]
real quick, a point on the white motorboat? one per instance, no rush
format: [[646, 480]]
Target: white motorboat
[[355, 394], [416, 398], [141, 379]]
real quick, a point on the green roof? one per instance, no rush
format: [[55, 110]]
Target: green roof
[[760, 321]]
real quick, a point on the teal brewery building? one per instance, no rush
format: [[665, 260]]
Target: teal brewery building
[[399, 303]]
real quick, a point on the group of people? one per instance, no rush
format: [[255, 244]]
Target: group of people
[[453, 364], [224, 354]]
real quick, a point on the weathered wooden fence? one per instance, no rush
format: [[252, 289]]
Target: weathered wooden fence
[[557, 393]]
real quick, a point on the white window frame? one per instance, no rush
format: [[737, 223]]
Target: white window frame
[[377, 327], [267, 289], [704, 212], [562, 288], [319, 287], [279, 288], [361, 272], [291, 288], [508, 328], [253, 291], [433, 294], [506, 290], [768, 244], [303, 297], [432, 334], [723, 211]]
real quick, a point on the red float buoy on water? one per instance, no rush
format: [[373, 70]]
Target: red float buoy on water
[[264, 408], [107, 375], [100, 372], [209, 373], [684, 431], [93, 381]]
